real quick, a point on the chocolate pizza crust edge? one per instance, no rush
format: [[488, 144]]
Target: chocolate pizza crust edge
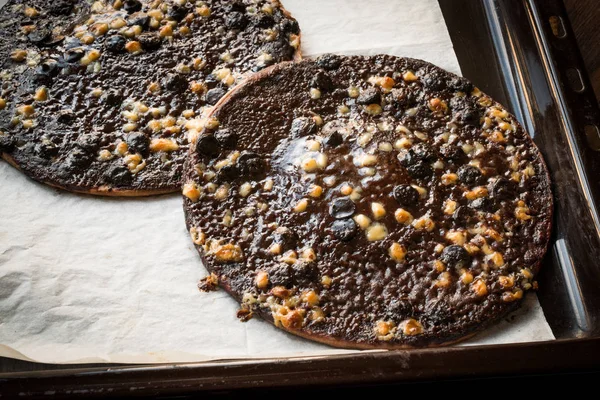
[[417, 342], [109, 191], [98, 191]]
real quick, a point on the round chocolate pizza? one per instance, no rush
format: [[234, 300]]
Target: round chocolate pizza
[[100, 97], [368, 202]]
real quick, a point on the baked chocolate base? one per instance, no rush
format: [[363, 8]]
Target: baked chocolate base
[[101, 98], [368, 202]]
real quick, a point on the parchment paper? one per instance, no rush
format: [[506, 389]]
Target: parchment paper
[[85, 279]]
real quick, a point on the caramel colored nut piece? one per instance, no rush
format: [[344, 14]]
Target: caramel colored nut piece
[[512, 296], [262, 279], [409, 76], [2, 103], [456, 237], [228, 253], [301, 206], [444, 280], [198, 237], [506, 281], [466, 277], [326, 281], [479, 287], [289, 257], [191, 191], [438, 106], [378, 210], [384, 330], [163, 145], [26, 110], [133, 47], [397, 252], [315, 191], [424, 223], [476, 193], [403, 216], [363, 221], [41, 94], [311, 298], [412, 327], [280, 292], [292, 320], [18, 55], [376, 232], [31, 12]]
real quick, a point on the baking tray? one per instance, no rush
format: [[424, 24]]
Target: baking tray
[[523, 53]]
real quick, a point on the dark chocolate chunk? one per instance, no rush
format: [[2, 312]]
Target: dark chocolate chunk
[[502, 189], [251, 164], [434, 81], [470, 175], [369, 96], [74, 55], [118, 174], [115, 43], [138, 142], [334, 140], [149, 40], [177, 12], [419, 170], [406, 195], [341, 208], [329, 61], [322, 81], [344, 229], [236, 20], [208, 145], [461, 84], [111, 97], [226, 138], [262, 20], [455, 256], [139, 19], [46, 150], [40, 35], [481, 204], [61, 7], [132, 6], [65, 116], [175, 82], [285, 237], [214, 95], [303, 126]]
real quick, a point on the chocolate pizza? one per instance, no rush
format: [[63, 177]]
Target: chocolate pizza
[[100, 97], [368, 202]]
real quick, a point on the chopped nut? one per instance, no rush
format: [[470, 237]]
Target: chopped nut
[[315, 191], [198, 237], [385, 82], [497, 259], [322, 160], [449, 179], [362, 220], [209, 284], [191, 191], [133, 47], [18, 55], [378, 210], [316, 314], [104, 155], [384, 330], [244, 314], [308, 255], [227, 253], [376, 232], [311, 298], [309, 165], [522, 213], [438, 106], [403, 216], [245, 189], [166, 31], [31, 12], [385, 147], [497, 137], [289, 257], [99, 29], [26, 110], [280, 292], [397, 252], [466, 277], [457, 237], [301, 206], [409, 76], [268, 186], [424, 223], [163, 145], [403, 143], [444, 280], [506, 281], [326, 281], [353, 91], [313, 145], [41, 94], [275, 248], [479, 287], [315, 94], [509, 297], [476, 193], [411, 327], [449, 207], [526, 272], [121, 148], [373, 109], [292, 320], [262, 279], [2, 103], [222, 192], [203, 11], [134, 162]]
